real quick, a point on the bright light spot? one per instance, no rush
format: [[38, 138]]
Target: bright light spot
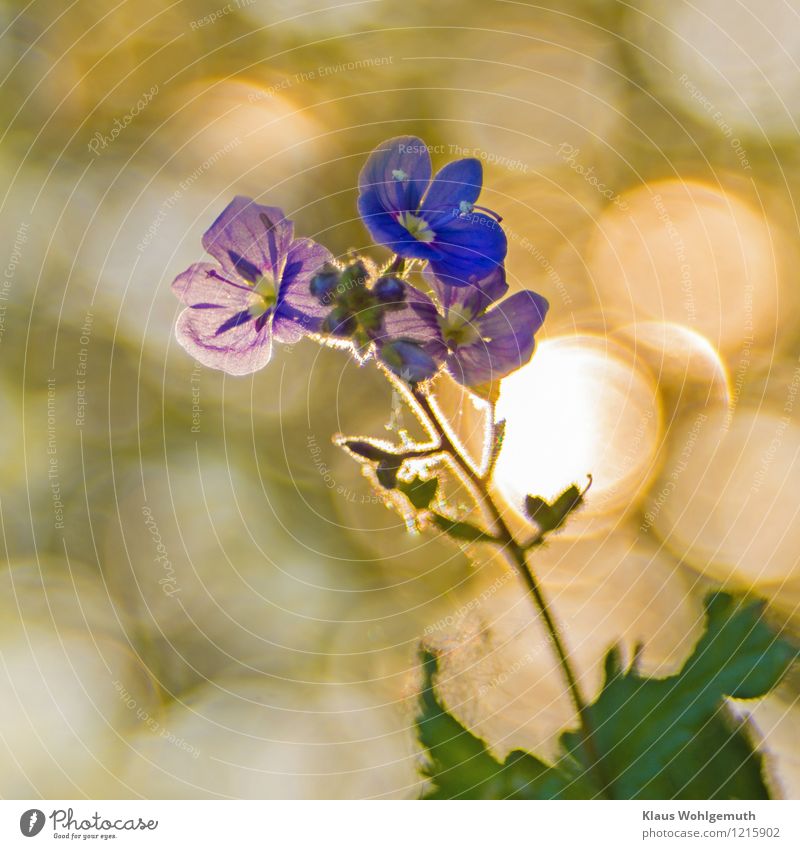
[[579, 408], [560, 70], [688, 253], [726, 501], [733, 65], [680, 359], [607, 591]]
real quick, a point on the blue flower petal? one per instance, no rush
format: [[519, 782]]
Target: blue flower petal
[[471, 297], [417, 321], [249, 239], [408, 360], [234, 321], [458, 182], [467, 247], [298, 312], [396, 174], [506, 341], [386, 230], [245, 347], [202, 285], [520, 315], [244, 268]]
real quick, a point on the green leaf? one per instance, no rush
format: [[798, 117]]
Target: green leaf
[[666, 738], [461, 767], [419, 492], [388, 462], [366, 450], [539, 510], [461, 531], [720, 765], [549, 517]]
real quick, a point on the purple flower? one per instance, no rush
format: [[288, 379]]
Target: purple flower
[[434, 221], [358, 302], [407, 358], [479, 340], [357, 309], [258, 289]]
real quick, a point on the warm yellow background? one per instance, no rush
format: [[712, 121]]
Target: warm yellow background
[[645, 159]]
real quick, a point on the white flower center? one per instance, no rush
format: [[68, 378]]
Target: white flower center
[[417, 226], [265, 288], [458, 328]]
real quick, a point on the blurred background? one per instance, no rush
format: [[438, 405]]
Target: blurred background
[[202, 597]]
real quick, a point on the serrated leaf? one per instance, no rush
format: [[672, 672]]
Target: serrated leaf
[[656, 738], [462, 531], [720, 765], [461, 767], [649, 728], [419, 492]]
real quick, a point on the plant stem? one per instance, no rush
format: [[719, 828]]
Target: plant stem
[[516, 554], [397, 266]]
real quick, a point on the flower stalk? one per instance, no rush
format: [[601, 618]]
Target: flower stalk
[[516, 555], [441, 304]]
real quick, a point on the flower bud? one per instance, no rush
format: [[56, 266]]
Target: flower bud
[[324, 282], [340, 322], [390, 292], [408, 360], [354, 276]]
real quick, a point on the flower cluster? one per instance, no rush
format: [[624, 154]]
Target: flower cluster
[[439, 303]]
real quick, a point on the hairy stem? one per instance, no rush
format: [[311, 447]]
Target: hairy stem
[[397, 266], [516, 555]]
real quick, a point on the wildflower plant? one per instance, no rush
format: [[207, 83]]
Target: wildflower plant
[[441, 304]]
